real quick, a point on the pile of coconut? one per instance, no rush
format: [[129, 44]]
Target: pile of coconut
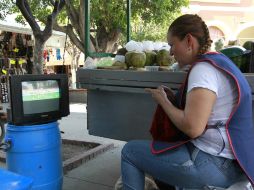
[[140, 54]]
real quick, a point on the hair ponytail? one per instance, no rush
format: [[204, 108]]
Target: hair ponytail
[[194, 25]]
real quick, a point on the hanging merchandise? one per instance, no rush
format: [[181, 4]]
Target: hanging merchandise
[[16, 50], [58, 54], [21, 61], [12, 61], [19, 41], [13, 41], [7, 36], [4, 90], [29, 65], [4, 71], [2, 63], [48, 52], [45, 55], [29, 52]]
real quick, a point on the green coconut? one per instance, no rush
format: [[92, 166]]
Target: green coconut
[[163, 58], [135, 59], [121, 51], [150, 58], [120, 64], [247, 45]]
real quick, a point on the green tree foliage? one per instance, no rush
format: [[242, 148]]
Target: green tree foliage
[[151, 23], [149, 20], [247, 45], [219, 44], [5, 8]]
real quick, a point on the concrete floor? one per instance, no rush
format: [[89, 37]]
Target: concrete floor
[[100, 173]]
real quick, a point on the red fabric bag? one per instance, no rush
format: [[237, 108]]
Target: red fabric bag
[[162, 128]]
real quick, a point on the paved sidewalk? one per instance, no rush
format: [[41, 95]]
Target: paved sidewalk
[[99, 173]]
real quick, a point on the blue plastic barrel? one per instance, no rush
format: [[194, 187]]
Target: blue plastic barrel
[[36, 152], [13, 181]]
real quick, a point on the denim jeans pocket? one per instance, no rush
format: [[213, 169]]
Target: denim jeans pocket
[[193, 151], [229, 168]]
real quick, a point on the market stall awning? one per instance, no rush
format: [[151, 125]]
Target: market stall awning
[[10, 25]]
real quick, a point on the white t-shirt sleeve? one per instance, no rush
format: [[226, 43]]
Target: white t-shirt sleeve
[[203, 75]]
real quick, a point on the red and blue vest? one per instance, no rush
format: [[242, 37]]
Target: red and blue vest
[[239, 126]]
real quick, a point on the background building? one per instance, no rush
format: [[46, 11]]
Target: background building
[[227, 19]]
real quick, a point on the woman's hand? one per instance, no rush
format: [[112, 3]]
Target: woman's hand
[[193, 119], [170, 93], [161, 94]]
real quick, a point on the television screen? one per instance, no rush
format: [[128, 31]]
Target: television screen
[[40, 96], [38, 99]]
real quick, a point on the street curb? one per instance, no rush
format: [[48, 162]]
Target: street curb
[[83, 157]]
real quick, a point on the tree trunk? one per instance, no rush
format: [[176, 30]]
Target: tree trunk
[[107, 41], [38, 57], [73, 70], [40, 36], [74, 65]]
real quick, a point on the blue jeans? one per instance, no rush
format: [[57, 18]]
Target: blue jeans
[[185, 167]]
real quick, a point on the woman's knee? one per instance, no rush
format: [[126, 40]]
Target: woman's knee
[[129, 147], [135, 147]]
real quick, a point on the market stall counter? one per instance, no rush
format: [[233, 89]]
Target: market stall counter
[[118, 106]]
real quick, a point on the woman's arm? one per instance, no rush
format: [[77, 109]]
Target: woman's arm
[[193, 119]]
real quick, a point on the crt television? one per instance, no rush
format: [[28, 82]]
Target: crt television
[[38, 99]]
